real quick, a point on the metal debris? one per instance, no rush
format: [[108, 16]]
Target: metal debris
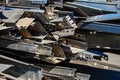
[[69, 33]]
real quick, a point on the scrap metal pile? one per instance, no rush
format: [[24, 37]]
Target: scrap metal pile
[[11, 69], [60, 31]]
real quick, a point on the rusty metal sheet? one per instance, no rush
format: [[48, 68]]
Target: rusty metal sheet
[[58, 51], [25, 33]]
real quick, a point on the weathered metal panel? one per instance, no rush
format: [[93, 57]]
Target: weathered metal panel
[[58, 51]]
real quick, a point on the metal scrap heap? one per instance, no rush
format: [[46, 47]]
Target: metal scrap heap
[[58, 31]]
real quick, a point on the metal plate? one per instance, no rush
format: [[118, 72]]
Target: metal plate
[[12, 15], [91, 11], [28, 9], [24, 22], [19, 70], [2, 16], [101, 40], [102, 27], [105, 17], [103, 6], [38, 2]]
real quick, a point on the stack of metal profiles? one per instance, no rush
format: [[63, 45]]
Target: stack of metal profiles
[[74, 35]]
